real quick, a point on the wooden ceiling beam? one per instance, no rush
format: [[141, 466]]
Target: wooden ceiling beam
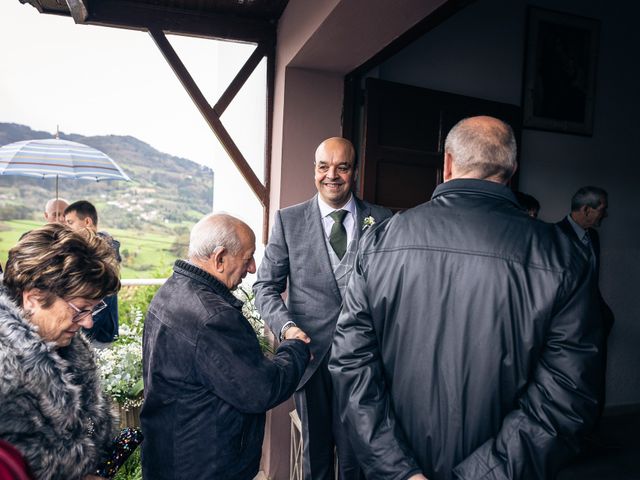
[[210, 115], [140, 16], [78, 10], [240, 79]]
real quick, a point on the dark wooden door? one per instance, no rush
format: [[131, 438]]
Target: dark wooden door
[[404, 132]]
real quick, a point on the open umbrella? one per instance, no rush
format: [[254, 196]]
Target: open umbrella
[[47, 158]]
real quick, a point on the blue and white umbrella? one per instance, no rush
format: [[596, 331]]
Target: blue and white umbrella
[[48, 158]]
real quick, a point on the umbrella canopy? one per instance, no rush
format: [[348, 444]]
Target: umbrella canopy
[[53, 157]]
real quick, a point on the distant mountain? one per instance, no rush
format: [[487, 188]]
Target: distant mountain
[[165, 191]]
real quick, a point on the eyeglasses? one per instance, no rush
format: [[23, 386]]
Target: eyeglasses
[[82, 314]]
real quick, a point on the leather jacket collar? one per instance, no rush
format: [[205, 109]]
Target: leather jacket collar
[[475, 186], [197, 274]]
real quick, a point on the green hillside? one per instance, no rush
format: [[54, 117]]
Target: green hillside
[[151, 215]]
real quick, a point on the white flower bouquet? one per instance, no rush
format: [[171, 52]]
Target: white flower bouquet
[[121, 364]]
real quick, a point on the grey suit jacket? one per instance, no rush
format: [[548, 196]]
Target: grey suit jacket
[[296, 260]]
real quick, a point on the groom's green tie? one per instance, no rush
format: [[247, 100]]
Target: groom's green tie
[[338, 235]]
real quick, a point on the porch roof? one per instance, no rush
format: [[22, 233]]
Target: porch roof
[[240, 20]]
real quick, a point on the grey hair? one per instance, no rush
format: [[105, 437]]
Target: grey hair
[[487, 149], [212, 232], [589, 196]]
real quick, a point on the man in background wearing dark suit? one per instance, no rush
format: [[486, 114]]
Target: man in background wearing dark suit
[[310, 254], [588, 208]]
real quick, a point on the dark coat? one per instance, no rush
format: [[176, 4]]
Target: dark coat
[[296, 260], [105, 323], [52, 408], [468, 346], [607, 314], [207, 383]]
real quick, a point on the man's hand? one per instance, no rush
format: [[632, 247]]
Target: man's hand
[[418, 476], [295, 333]]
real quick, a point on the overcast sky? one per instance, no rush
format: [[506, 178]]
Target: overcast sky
[[97, 81]]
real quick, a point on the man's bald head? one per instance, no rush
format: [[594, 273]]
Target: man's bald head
[[335, 170], [336, 146], [481, 147], [54, 210]]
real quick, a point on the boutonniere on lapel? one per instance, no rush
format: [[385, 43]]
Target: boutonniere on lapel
[[368, 222]]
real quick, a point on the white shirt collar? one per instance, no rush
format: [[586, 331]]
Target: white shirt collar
[[326, 209]]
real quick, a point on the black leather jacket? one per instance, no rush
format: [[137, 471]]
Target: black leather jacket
[[207, 385], [468, 346]]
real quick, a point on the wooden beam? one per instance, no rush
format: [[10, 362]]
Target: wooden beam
[[210, 116], [142, 16], [240, 79], [78, 10], [271, 73]]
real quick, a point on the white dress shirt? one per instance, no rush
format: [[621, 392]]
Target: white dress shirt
[[349, 221]]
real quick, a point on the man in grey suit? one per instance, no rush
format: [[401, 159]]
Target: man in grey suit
[[310, 254]]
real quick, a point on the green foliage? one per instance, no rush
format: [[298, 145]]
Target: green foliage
[[132, 468], [144, 255], [11, 232], [19, 212], [132, 300], [180, 245]]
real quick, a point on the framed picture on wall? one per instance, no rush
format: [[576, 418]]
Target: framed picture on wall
[[560, 72]]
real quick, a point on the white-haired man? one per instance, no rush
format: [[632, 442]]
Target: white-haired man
[[207, 384], [468, 346]]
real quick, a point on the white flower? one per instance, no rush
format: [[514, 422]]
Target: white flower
[[121, 364], [368, 222]]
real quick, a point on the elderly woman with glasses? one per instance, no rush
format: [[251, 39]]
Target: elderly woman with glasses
[[52, 408]]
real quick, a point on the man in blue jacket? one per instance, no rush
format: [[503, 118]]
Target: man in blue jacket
[[207, 383], [83, 214]]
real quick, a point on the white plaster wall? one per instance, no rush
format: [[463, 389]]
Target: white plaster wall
[[479, 52]]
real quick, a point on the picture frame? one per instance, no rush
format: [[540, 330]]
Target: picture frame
[[560, 72]]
